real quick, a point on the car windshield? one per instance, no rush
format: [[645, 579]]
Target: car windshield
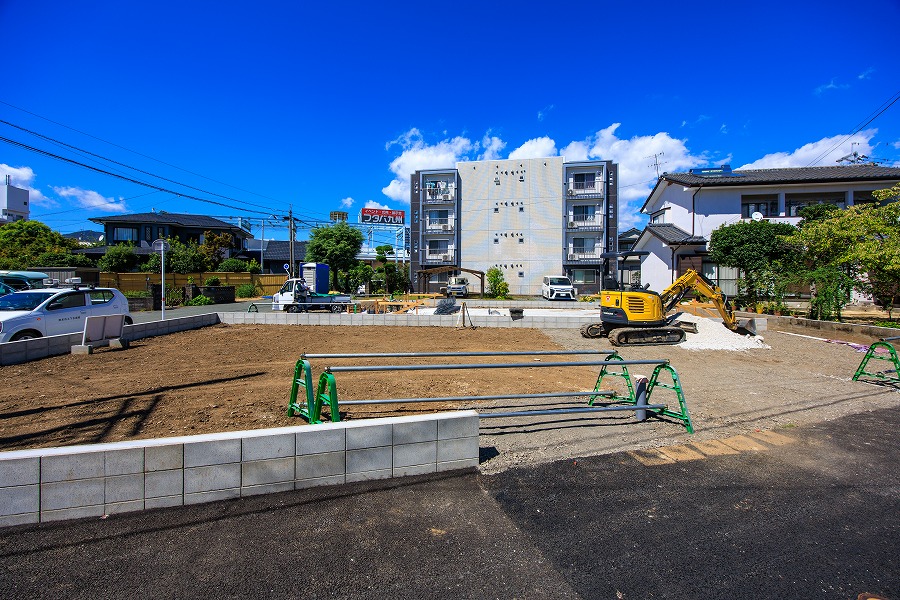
[[23, 300], [560, 281]]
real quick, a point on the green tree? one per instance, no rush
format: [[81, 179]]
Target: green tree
[[753, 247], [213, 248], [359, 275], [180, 258], [335, 245], [118, 259], [61, 259], [497, 286], [233, 265], [21, 242]]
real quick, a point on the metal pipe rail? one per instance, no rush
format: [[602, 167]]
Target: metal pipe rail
[[435, 354], [602, 363], [473, 398], [563, 411]]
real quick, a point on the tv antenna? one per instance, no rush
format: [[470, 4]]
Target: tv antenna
[[854, 158], [656, 162]]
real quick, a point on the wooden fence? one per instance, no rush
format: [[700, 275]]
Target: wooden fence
[[134, 282]]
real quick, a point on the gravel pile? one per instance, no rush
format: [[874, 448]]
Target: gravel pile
[[713, 335]]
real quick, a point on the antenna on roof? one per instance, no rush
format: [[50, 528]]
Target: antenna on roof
[[656, 162], [854, 158]]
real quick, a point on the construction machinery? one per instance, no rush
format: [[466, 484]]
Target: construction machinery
[[632, 315]]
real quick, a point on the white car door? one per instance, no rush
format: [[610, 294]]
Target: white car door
[[66, 313], [284, 296]]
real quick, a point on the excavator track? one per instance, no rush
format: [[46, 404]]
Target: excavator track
[[649, 336], [593, 330]]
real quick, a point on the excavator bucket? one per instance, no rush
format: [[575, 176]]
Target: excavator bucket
[[746, 326]]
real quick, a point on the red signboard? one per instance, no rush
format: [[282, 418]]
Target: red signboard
[[382, 216]]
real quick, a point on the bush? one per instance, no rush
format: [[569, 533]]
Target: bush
[[136, 294], [212, 282], [891, 324], [199, 301], [247, 290], [233, 265]]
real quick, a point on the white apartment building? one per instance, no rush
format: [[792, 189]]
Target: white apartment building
[[685, 208], [13, 203], [528, 217]]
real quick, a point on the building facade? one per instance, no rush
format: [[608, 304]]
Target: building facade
[[685, 208], [13, 203], [527, 217]]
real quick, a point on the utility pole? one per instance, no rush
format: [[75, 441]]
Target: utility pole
[[291, 231], [656, 162]]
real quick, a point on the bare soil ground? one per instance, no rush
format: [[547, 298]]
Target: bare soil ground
[[229, 378]]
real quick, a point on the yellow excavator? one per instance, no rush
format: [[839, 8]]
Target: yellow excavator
[[635, 316]]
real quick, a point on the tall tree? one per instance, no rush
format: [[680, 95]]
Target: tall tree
[[21, 242], [335, 245], [214, 247]]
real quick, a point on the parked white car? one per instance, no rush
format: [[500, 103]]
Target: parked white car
[[29, 314], [558, 287]]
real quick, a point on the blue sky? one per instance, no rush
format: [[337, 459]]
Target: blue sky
[[262, 107]]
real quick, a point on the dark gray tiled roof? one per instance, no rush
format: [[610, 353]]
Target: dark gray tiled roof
[[672, 234], [167, 218], [792, 175], [277, 250]]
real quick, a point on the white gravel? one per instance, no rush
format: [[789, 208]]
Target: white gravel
[[713, 335]]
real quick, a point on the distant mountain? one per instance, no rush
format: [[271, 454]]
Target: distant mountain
[[85, 236]]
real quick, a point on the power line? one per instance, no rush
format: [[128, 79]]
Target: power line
[[877, 113]]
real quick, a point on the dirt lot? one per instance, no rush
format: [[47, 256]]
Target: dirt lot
[[226, 378]]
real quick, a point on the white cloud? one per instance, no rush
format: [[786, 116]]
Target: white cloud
[[723, 128], [92, 200], [23, 177], [536, 148], [824, 152], [417, 155], [543, 112], [831, 85], [347, 202], [492, 146], [373, 204], [896, 144], [866, 74]]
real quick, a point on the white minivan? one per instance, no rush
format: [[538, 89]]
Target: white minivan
[[558, 287]]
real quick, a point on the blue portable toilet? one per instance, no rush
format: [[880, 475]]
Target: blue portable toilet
[[316, 276]]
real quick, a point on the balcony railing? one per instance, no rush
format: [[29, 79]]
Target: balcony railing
[[575, 255], [585, 222], [439, 256], [438, 225], [438, 195]]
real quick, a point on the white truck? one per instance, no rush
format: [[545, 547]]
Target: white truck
[[458, 286], [294, 296]]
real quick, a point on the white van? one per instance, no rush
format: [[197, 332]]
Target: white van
[[558, 287]]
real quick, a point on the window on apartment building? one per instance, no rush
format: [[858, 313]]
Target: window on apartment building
[[438, 217], [583, 181], [767, 204], [583, 245], [521, 209], [521, 240], [438, 247], [584, 276], [583, 213], [125, 234], [794, 202]]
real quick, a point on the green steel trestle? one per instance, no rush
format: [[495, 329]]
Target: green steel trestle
[[889, 375]]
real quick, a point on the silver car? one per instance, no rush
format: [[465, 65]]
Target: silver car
[[29, 314]]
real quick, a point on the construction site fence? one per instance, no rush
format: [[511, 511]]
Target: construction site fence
[[139, 282]]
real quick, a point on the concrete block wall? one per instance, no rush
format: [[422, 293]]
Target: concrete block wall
[[90, 481], [12, 353]]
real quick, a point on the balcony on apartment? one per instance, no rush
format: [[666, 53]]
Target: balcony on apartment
[[585, 185], [438, 192], [438, 256], [577, 256], [584, 222], [439, 225]]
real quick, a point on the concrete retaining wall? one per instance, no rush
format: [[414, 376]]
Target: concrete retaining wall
[[408, 320], [90, 481], [12, 353]]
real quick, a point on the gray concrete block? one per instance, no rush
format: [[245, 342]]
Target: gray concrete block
[[370, 475], [20, 499], [213, 496], [124, 488], [163, 502], [79, 349], [123, 507], [158, 484], [454, 465], [72, 494], [414, 470], [415, 431], [20, 471], [72, 513], [219, 452], [320, 465], [275, 470], [369, 459], [124, 462], [457, 449], [269, 488], [22, 519], [369, 436], [457, 427], [163, 458], [268, 446], [212, 478], [37, 348], [312, 440], [66, 467], [319, 481], [421, 453]]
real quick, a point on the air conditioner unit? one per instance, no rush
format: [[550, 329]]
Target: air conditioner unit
[[445, 227], [445, 257], [573, 256], [572, 223], [571, 192], [446, 196]]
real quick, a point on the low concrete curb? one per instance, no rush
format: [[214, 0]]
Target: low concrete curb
[[527, 321], [71, 482]]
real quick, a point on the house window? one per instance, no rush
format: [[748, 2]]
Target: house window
[[767, 204], [583, 245], [583, 181], [725, 277], [863, 197], [160, 233], [583, 213], [438, 217], [125, 234], [148, 233], [584, 276], [438, 247], [794, 202]]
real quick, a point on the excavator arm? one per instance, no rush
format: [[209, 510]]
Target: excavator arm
[[692, 280]]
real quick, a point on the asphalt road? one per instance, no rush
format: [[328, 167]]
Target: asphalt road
[[145, 316], [814, 515]]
